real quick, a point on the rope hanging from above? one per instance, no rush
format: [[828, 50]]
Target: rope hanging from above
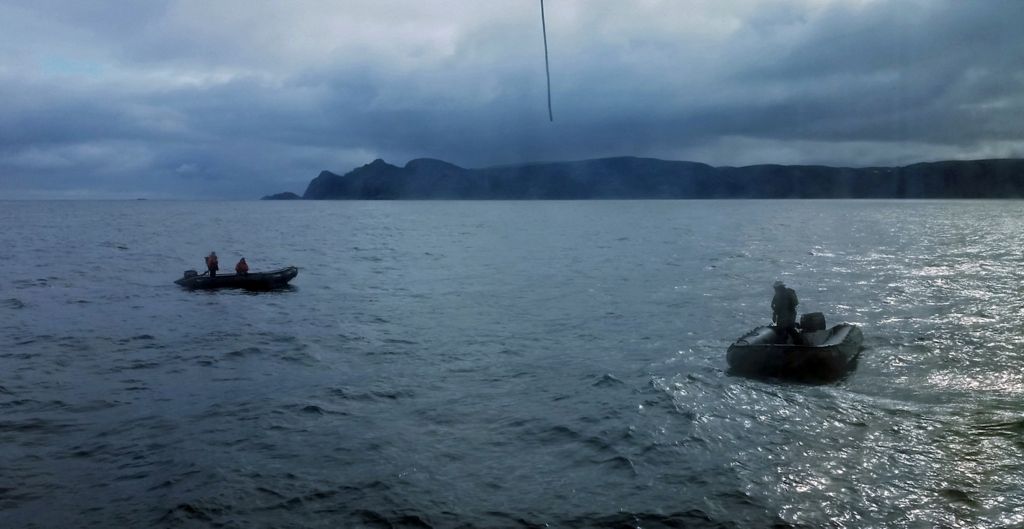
[[547, 67]]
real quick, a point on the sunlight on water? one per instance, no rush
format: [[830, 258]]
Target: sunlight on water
[[1008, 383]]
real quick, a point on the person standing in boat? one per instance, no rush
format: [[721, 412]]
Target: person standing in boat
[[242, 268], [784, 312], [211, 264]]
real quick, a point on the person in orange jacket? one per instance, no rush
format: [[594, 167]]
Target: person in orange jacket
[[242, 268], [211, 264]]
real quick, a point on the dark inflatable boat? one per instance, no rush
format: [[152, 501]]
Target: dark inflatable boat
[[251, 281], [824, 355]]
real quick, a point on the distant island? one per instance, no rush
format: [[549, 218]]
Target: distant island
[[650, 178], [287, 195]]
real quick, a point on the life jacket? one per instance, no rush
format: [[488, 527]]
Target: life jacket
[[242, 267], [211, 263]]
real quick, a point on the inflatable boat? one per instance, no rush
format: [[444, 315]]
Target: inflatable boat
[[251, 281], [823, 354]]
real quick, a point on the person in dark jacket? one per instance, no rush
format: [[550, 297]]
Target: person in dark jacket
[[784, 312], [211, 264], [242, 268]]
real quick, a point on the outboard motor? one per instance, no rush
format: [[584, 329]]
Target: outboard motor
[[814, 321], [190, 274]]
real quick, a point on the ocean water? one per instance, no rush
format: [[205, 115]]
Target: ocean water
[[507, 364]]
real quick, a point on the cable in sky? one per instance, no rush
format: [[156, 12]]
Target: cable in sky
[[547, 67]]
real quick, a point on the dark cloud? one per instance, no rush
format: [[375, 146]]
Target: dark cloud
[[187, 99]]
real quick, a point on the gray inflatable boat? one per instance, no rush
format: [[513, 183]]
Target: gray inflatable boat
[[824, 355], [251, 281]]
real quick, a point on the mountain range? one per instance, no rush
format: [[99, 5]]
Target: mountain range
[[650, 178]]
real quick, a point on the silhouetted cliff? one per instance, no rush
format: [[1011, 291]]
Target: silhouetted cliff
[[629, 177]]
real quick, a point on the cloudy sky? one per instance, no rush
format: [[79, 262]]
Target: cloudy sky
[[233, 99]]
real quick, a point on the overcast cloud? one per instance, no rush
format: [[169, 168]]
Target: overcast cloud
[[232, 99]]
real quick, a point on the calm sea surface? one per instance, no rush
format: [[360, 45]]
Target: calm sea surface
[[506, 364]]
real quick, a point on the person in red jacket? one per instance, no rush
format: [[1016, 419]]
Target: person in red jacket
[[242, 268], [211, 264]]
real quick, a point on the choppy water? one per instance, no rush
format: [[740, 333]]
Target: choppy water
[[506, 364]]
